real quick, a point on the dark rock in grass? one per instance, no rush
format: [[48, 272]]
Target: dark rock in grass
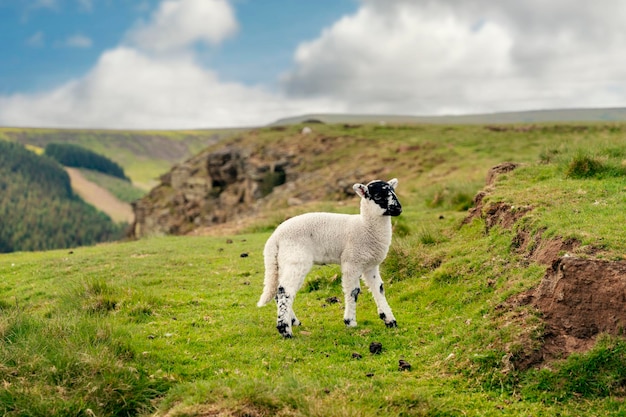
[[404, 365], [332, 300], [369, 375], [356, 355], [376, 348], [244, 255]]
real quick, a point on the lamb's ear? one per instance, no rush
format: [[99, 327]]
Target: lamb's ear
[[360, 189], [394, 183]]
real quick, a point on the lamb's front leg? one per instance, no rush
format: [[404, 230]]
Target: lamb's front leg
[[375, 283], [351, 290]]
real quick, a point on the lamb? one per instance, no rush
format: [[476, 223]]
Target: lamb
[[357, 242]]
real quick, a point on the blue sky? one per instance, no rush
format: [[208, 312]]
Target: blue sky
[[175, 64], [45, 43]]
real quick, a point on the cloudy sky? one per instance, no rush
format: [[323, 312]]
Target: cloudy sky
[[172, 64]]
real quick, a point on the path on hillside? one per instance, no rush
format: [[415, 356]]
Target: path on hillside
[[100, 197]]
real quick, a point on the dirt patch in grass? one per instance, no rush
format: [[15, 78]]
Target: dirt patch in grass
[[542, 251], [495, 216], [577, 299]]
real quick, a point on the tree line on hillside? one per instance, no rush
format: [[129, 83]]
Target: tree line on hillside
[[79, 157], [38, 210]]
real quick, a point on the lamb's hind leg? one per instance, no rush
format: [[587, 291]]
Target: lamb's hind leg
[[291, 279], [375, 283]]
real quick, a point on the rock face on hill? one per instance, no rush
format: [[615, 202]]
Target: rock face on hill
[[237, 180], [208, 189], [578, 298]]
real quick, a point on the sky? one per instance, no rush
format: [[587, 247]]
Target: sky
[[186, 64]]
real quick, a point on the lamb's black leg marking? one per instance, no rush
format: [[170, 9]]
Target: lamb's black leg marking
[[355, 294], [283, 326], [283, 329], [392, 323], [375, 283]]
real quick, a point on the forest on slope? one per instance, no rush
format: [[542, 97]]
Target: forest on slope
[[38, 209]]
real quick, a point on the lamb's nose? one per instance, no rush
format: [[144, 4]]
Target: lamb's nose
[[395, 210]]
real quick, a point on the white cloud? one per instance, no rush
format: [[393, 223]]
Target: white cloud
[[154, 81], [400, 56], [452, 56], [78, 41], [180, 23], [130, 89]]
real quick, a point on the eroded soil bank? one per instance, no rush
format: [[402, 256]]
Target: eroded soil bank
[[579, 297]]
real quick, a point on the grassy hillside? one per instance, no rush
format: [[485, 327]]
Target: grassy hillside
[[144, 155], [38, 209], [169, 325]]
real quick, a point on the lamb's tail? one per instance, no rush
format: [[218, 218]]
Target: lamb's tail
[[270, 284]]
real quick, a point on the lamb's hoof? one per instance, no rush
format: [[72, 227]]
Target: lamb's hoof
[[349, 322], [284, 330], [391, 324], [296, 322]]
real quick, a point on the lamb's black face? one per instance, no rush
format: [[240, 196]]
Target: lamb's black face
[[382, 194]]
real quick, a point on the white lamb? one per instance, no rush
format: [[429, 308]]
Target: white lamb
[[358, 242]]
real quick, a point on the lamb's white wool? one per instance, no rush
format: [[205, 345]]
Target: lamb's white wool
[[358, 242]]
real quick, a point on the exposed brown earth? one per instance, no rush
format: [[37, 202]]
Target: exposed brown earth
[[100, 197], [578, 298]]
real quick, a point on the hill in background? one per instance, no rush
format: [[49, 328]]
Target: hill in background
[[38, 208], [144, 155], [532, 116], [34, 220]]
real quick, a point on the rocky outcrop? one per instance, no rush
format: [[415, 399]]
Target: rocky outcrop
[[211, 188], [248, 175]]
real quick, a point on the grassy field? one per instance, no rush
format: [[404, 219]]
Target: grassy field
[[168, 326]]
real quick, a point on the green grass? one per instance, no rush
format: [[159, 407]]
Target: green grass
[[169, 326], [112, 327], [586, 206]]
